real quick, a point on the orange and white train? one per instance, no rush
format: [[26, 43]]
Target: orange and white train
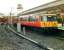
[[45, 21]]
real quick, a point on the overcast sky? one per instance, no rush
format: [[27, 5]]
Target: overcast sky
[[6, 5]]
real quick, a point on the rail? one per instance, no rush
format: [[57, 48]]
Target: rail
[[41, 46]]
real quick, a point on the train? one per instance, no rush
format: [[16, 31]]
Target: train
[[3, 20], [8, 19], [46, 22]]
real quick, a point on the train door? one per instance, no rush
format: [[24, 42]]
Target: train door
[[44, 18]]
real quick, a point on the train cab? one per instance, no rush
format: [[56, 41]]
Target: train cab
[[49, 20]]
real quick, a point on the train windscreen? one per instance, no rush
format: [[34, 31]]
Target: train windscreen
[[51, 18]]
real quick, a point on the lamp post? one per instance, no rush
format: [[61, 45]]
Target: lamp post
[[10, 17]]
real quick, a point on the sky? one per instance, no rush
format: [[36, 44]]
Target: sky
[[7, 5]]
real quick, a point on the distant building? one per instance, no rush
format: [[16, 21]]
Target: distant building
[[1, 15]]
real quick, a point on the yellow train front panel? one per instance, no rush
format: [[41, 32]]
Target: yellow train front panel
[[49, 24]]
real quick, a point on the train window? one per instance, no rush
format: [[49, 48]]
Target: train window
[[43, 18], [33, 18], [38, 18], [51, 18], [24, 19]]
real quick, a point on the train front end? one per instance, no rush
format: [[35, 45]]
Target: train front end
[[49, 22]]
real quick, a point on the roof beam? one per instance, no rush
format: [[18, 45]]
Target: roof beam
[[48, 5]]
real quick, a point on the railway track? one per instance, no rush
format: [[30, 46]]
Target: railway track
[[32, 41], [60, 37], [19, 42], [56, 43], [6, 42]]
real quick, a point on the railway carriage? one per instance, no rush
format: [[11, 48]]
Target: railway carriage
[[45, 22]]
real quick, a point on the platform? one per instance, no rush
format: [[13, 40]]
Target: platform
[[61, 28]]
